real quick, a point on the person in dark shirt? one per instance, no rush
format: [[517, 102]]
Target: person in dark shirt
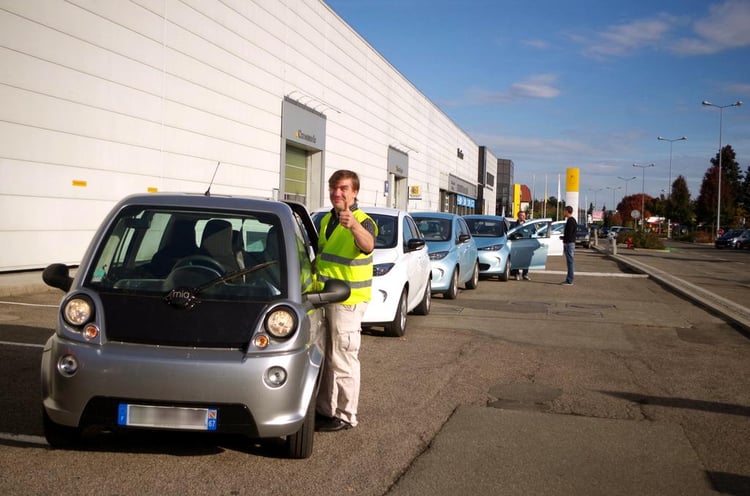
[[569, 243]]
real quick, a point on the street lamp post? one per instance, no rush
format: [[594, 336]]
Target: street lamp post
[[626, 179], [595, 190], [643, 194], [671, 141], [614, 188], [718, 190]]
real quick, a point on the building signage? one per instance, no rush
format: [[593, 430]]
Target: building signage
[[465, 201], [301, 135], [415, 192], [460, 186], [303, 126]]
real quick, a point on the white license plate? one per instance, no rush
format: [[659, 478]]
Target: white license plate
[[167, 417]]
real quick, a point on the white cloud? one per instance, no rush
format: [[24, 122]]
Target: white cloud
[[625, 39], [540, 86], [726, 27]]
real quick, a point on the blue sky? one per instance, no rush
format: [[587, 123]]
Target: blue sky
[[552, 84]]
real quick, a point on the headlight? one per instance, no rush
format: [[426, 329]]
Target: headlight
[[381, 269], [491, 248], [438, 255], [281, 323], [78, 311]]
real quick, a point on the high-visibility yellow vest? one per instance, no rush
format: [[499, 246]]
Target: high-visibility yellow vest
[[339, 257]]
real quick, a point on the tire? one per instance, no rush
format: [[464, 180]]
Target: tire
[[452, 291], [506, 273], [473, 283], [60, 436], [424, 306], [300, 444], [397, 328]]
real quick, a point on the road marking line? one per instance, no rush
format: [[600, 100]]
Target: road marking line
[[28, 304], [23, 438], [28, 345]]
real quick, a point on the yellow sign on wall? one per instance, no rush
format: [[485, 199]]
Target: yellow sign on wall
[[516, 199]]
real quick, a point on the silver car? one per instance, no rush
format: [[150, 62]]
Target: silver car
[[190, 312]]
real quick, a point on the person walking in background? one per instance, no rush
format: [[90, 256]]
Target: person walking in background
[[521, 272], [569, 243], [347, 239]]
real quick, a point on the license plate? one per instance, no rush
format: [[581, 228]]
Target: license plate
[[167, 417]]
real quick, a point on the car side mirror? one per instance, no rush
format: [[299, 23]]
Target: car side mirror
[[334, 291], [463, 238], [57, 275], [414, 244]]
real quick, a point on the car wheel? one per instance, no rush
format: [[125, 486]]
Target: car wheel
[[300, 444], [60, 436], [474, 281], [424, 306], [397, 328], [506, 273], [452, 292]]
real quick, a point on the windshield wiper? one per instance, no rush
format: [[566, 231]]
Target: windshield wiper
[[188, 297]]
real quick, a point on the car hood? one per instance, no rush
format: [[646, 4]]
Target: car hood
[[435, 246], [384, 255], [483, 242]]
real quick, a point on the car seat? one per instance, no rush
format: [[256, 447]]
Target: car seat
[[216, 243]]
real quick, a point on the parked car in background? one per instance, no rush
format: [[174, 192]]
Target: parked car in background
[[583, 236], [497, 254], [190, 312], [731, 239], [453, 252], [745, 241], [401, 270]]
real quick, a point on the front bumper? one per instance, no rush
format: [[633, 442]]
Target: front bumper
[[226, 379], [442, 272], [492, 263]]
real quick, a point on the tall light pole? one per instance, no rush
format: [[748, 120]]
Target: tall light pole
[[718, 190], [614, 188], [626, 179], [671, 141], [643, 194], [595, 190]]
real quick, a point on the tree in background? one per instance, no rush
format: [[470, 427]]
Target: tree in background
[[731, 186], [679, 207]]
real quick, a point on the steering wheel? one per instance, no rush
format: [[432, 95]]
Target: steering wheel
[[201, 261]]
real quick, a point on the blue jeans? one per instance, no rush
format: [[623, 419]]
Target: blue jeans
[[568, 249]]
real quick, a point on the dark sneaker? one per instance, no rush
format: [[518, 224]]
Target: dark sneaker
[[331, 425], [566, 283]]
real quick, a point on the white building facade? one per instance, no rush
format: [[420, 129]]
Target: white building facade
[[266, 98]]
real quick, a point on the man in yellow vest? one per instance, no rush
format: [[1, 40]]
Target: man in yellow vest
[[345, 245]]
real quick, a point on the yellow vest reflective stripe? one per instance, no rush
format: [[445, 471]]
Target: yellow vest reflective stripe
[[340, 258]]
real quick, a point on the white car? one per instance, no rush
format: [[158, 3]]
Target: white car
[[557, 229], [401, 270]]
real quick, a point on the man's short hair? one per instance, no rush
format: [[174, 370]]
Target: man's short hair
[[569, 209], [342, 174]]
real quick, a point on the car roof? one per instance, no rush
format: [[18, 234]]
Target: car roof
[[384, 211], [443, 215]]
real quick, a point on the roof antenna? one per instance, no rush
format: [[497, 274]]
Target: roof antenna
[[208, 191]]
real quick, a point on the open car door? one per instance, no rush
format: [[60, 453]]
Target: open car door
[[529, 244]]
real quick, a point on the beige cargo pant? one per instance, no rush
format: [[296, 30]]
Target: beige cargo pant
[[339, 386]]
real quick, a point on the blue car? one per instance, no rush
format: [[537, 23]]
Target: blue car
[[502, 248], [453, 252]]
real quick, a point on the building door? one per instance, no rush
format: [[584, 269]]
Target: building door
[[296, 174]]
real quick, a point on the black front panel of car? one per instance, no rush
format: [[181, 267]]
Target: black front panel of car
[[151, 320]]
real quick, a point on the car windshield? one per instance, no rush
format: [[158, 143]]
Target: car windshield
[[387, 230], [152, 250], [488, 228], [434, 228]]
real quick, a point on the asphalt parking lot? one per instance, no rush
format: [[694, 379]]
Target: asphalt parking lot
[[612, 386]]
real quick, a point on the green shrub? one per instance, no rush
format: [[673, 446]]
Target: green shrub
[[651, 241]]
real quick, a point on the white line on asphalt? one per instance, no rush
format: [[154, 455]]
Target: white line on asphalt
[[27, 345], [597, 274], [28, 304], [23, 438]]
